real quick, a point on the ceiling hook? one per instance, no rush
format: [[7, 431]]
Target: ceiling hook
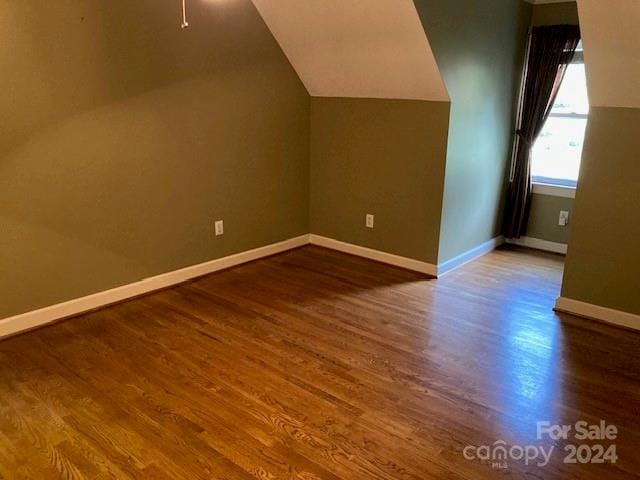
[[185, 24]]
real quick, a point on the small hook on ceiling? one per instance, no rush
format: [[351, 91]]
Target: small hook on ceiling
[[185, 24]]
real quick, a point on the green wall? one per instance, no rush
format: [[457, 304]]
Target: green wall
[[555, 14], [481, 63], [603, 262], [126, 137], [123, 138], [387, 157], [543, 221], [384, 157]]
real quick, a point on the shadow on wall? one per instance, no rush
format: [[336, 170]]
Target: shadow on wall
[[65, 61], [131, 190], [127, 138]]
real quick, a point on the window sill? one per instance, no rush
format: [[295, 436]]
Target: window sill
[[554, 190]]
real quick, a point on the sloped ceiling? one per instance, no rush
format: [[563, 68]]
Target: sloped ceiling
[[611, 38], [356, 49]]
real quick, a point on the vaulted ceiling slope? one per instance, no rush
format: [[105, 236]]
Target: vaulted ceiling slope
[[611, 37], [356, 49]]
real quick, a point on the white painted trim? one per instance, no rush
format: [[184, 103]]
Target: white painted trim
[[596, 312], [384, 257], [539, 244], [469, 255], [37, 318], [554, 190]]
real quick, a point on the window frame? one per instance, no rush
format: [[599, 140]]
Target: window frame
[[554, 190], [544, 186]]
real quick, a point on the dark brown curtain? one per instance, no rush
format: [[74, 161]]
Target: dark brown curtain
[[551, 49]]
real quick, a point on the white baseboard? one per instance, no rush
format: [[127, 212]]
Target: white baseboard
[[30, 320], [596, 312], [384, 257], [470, 255], [27, 321], [539, 244]]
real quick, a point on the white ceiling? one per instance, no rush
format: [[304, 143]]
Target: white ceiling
[[363, 49], [611, 42]]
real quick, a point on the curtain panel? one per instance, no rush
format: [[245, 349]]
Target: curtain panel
[[551, 50]]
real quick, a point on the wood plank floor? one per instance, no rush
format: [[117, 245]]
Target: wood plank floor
[[319, 365]]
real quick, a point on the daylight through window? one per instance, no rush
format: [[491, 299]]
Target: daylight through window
[[557, 151]]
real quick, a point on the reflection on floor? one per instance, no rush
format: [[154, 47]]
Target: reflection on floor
[[315, 364]]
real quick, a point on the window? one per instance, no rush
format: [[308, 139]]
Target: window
[[557, 151]]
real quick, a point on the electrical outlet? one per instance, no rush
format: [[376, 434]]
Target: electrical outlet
[[563, 220], [369, 220], [219, 227]]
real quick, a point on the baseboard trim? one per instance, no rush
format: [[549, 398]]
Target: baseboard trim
[[377, 255], [596, 312], [28, 321], [470, 255], [539, 244]]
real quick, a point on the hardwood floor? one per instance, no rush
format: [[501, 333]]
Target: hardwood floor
[[318, 365]]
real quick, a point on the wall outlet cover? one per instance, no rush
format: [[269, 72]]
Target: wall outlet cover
[[563, 220], [369, 220]]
